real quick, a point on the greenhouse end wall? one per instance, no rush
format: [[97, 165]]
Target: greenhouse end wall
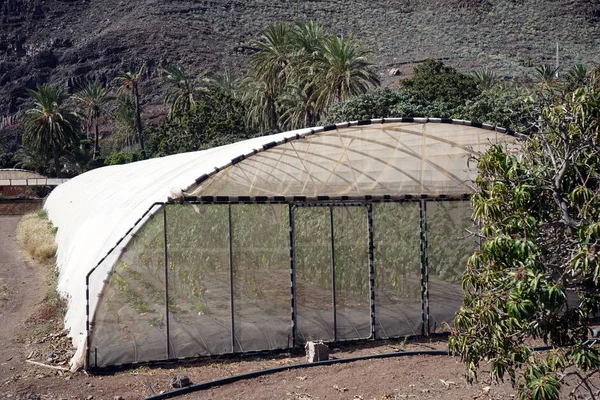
[[202, 279]]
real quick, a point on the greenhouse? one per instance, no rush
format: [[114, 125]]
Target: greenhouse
[[354, 231]]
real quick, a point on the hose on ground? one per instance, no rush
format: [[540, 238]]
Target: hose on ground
[[249, 375]]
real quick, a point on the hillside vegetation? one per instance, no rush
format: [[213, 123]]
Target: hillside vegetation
[[60, 40]]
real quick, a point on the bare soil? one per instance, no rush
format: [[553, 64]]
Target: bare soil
[[30, 331]]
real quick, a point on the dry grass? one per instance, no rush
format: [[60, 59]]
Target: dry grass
[[36, 234]]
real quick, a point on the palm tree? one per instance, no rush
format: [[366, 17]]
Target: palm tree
[[267, 72], [92, 99], [228, 82], [546, 74], [485, 78], [31, 159], [49, 127], [577, 74], [130, 82], [182, 97], [298, 101], [345, 72], [297, 108], [124, 114]]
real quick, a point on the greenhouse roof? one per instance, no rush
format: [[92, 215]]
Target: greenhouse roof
[[96, 212]]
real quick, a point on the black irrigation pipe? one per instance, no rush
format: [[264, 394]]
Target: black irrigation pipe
[[250, 375]]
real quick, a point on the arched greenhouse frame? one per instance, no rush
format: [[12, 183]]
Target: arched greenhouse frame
[[354, 231]]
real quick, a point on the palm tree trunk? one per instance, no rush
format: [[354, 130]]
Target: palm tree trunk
[[57, 161], [96, 138], [138, 119]]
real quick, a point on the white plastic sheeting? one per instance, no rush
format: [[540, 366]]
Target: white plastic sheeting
[[95, 210]]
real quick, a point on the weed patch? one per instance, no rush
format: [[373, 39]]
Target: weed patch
[[36, 233]]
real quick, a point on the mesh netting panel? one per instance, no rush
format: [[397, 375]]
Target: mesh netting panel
[[377, 159], [314, 302], [397, 270], [450, 245], [199, 288], [261, 272], [129, 324], [351, 244]]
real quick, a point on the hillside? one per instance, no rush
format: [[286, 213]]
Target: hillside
[[60, 40]]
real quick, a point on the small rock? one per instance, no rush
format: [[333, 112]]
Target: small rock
[[118, 398], [68, 378], [180, 381], [90, 397], [33, 396]]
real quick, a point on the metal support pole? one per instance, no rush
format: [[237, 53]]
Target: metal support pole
[[293, 274], [371, 267], [166, 281], [424, 268], [231, 300], [333, 273], [87, 322]]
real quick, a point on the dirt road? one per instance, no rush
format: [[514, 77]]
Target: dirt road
[[22, 286]]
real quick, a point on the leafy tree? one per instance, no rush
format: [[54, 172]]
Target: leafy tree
[[506, 106], [81, 158], [435, 81], [123, 158], [215, 120], [50, 127], [387, 103], [130, 83], [537, 275], [92, 100]]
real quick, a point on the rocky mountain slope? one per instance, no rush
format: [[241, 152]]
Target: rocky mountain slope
[[61, 40]]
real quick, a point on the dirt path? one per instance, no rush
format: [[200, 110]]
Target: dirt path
[[22, 286]]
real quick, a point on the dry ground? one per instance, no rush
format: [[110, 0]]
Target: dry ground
[[29, 330]]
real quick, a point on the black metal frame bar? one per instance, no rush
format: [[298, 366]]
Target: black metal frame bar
[[292, 226], [371, 267], [332, 259], [424, 268], [231, 299], [166, 280], [308, 201]]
